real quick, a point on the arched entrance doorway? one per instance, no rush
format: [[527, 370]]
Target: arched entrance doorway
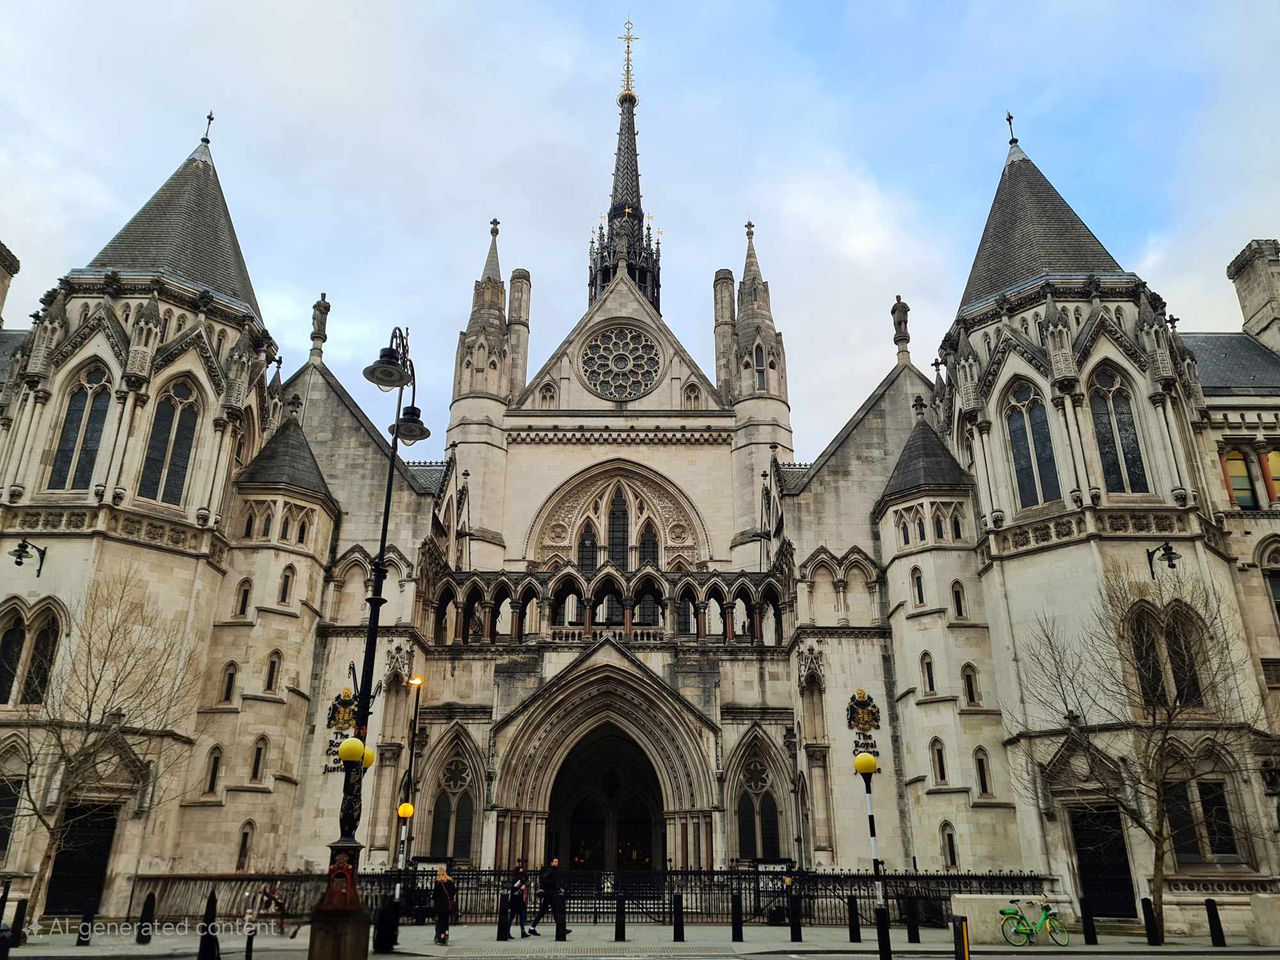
[[606, 806]]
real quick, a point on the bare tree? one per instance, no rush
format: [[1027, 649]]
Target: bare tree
[[1121, 707], [110, 723]]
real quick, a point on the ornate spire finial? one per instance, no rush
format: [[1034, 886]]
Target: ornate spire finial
[[918, 405], [751, 229], [1008, 118], [493, 227], [208, 124], [627, 38]]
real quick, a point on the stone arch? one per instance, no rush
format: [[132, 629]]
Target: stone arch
[[537, 739], [755, 745], [681, 528]]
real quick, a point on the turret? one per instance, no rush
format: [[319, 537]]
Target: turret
[[518, 330], [759, 359], [142, 344], [1255, 271], [48, 332], [482, 353], [722, 294], [1058, 338]]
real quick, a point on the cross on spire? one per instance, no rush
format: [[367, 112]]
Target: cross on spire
[[751, 230], [493, 227], [627, 38], [1008, 118], [208, 124], [936, 364]]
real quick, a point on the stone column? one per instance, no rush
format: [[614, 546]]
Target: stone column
[[808, 602], [488, 623], [459, 623], [123, 435], [517, 622], [223, 434], [1074, 447], [995, 490], [669, 624], [700, 618], [1262, 448], [757, 622], [628, 607], [842, 603], [1226, 475], [1074, 423]]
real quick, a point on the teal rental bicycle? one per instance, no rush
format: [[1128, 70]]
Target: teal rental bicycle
[[1019, 931]]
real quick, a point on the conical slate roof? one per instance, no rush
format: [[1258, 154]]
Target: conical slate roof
[[286, 460], [184, 231], [924, 462], [1031, 232]]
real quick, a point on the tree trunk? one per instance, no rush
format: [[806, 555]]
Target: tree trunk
[[40, 885], [1157, 881]]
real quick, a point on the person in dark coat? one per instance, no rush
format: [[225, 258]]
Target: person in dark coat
[[518, 901], [550, 895], [443, 895]]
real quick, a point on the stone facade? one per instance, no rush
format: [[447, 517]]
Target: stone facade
[[646, 635]]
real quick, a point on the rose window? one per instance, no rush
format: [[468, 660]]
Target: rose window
[[755, 774], [621, 363], [455, 775]]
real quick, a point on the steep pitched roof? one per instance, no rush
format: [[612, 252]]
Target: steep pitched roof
[[924, 462], [184, 231], [1234, 364], [1031, 232], [286, 459]]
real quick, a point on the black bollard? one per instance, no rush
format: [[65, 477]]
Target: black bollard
[[85, 935], [386, 927], [793, 908], [960, 937], [19, 926], [735, 913], [248, 943], [855, 921], [1154, 939], [1216, 936], [882, 933], [913, 919], [504, 916], [562, 928], [209, 949], [1086, 922], [619, 918], [677, 917], [147, 922], [4, 896]]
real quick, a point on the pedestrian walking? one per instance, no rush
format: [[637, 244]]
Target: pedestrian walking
[[518, 901], [550, 893], [443, 897]]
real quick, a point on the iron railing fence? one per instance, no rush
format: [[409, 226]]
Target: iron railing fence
[[592, 894]]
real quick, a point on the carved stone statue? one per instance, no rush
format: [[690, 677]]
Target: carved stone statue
[[320, 317], [899, 312]]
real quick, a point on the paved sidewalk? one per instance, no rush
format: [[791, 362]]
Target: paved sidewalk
[[643, 940]]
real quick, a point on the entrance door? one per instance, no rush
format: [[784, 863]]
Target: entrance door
[[80, 867], [1103, 861]]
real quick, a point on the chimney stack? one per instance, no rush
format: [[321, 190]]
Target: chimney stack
[[8, 270]]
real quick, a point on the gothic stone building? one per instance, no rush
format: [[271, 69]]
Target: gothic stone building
[[647, 636]]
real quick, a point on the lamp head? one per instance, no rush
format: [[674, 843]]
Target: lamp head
[[20, 553], [405, 810], [410, 428], [415, 681], [367, 760], [865, 764], [350, 750], [387, 372]]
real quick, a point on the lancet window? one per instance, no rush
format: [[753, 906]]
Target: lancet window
[[87, 404], [173, 433], [1116, 433], [1031, 446]]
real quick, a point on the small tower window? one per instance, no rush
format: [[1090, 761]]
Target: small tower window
[[228, 682], [926, 674], [957, 532], [248, 525], [258, 768], [917, 586], [939, 532], [982, 771], [242, 598], [547, 397], [273, 672], [212, 769], [286, 584], [692, 397], [302, 531], [905, 530], [761, 383], [938, 754], [920, 529], [244, 855], [284, 529], [949, 856], [265, 532], [969, 679], [957, 599]]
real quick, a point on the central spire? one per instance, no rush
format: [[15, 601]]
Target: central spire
[[626, 241]]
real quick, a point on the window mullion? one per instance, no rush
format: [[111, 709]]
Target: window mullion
[[1115, 432], [1031, 453]]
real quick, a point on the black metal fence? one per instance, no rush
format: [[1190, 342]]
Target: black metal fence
[[591, 894]]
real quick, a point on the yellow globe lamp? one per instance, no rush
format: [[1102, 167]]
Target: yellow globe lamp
[[368, 757], [350, 750], [865, 764], [405, 810]]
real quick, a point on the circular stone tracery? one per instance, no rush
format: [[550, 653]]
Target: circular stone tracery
[[621, 363]]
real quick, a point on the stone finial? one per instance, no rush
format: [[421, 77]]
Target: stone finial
[[919, 406], [901, 336], [295, 406]]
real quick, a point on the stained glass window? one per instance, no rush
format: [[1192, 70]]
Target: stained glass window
[[11, 644], [760, 380], [746, 827], [440, 815], [770, 848], [1241, 485], [41, 664], [588, 554], [1116, 433], [1032, 447], [81, 431], [169, 449], [462, 827], [618, 533]]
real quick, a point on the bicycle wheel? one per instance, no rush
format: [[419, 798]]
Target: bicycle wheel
[[1014, 930], [1057, 931]]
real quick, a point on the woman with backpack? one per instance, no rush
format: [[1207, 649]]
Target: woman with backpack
[[443, 895], [518, 901]]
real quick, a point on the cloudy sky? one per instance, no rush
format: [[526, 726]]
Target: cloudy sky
[[364, 147]]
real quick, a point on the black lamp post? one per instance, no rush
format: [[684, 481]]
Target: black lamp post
[[22, 553], [393, 370]]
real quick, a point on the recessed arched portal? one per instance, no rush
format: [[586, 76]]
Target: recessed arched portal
[[606, 805]]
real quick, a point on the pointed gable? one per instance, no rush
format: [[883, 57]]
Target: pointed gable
[[925, 463], [1031, 232], [184, 232], [286, 460]]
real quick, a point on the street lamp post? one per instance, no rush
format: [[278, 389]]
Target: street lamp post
[[346, 936], [866, 765], [405, 810]]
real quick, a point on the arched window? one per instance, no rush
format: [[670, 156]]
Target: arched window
[[938, 757], [547, 397], [244, 855], [692, 397], [213, 767], [950, 858], [1165, 649], [173, 434], [986, 344], [770, 841], [957, 532], [248, 524], [243, 593], [917, 587], [286, 584], [982, 772], [12, 642], [302, 531], [939, 531], [905, 531], [440, 817], [957, 599], [40, 663], [462, 819], [649, 546], [284, 528], [265, 531], [1031, 446], [761, 383], [928, 682], [920, 529], [618, 531], [969, 680], [746, 827], [258, 767], [588, 550], [219, 344], [1202, 804], [87, 406], [228, 690], [1241, 485], [273, 672], [1116, 433]]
